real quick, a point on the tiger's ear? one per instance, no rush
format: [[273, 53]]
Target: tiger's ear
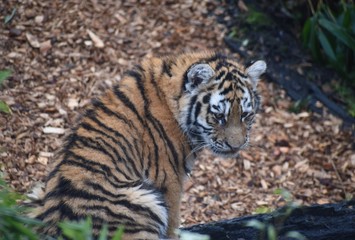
[[255, 70], [198, 74]]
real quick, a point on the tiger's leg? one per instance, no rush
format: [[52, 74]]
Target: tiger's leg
[[173, 199]]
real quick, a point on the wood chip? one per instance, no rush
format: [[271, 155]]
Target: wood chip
[[32, 40], [53, 130], [97, 41]]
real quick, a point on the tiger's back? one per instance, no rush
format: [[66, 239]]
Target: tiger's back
[[126, 160]]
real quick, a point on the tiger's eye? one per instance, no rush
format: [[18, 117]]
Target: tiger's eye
[[219, 116]]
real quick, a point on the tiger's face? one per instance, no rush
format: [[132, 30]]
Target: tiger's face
[[220, 102]]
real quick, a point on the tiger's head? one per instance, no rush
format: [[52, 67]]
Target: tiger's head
[[219, 103]]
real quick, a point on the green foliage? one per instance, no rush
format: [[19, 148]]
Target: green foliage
[[263, 209], [256, 18], [330, 36], [4, 74], [4, 107], [8, 18], [14, 226], [82, 230]]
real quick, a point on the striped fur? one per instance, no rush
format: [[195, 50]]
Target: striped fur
[[126, 160]]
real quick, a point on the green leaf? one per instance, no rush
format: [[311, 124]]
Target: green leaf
[[338, 32], [103, 233], [20, 228], [263, 209], [284, 193], [313, 43], [77, 230], [8, 18], [256, 224], [345, 19], [3, 75], [306, 32], [328, 49], [271, 233], [4, 107], [119, 233]]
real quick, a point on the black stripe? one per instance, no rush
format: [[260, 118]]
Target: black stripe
[[105, 109], [90, 143], [65, 188], [227, 90], [129, 161], [84, 162], [90, 166], [120, 117], [88, 127], [171, 146], [206, 99], [197, 109], [191, 105], [120, 95], [157, 125], [204, 128], [108, 211], [125, 100], [128, 227], [158, 92], [64, 210], [99, 187], [221, 84], [220, 75], [138, 79], [166, 68], [241, 89]]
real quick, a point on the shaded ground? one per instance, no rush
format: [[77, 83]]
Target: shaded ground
[[55, 51]]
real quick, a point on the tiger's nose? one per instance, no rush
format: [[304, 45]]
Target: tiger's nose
[[235, 142]]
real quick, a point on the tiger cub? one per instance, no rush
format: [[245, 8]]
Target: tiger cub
[[125, 162]]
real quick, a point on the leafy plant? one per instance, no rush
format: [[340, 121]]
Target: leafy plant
[[82, 230], [330, 36], [13, 225], [4, 74]]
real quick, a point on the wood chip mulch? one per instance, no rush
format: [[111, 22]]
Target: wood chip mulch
[[62, 53]]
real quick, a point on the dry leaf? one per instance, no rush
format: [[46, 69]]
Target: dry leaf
[[32, 40], [45, 46]]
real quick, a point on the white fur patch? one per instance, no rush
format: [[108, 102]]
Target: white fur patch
[[246, 104], [147, 198], [215, 100]]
